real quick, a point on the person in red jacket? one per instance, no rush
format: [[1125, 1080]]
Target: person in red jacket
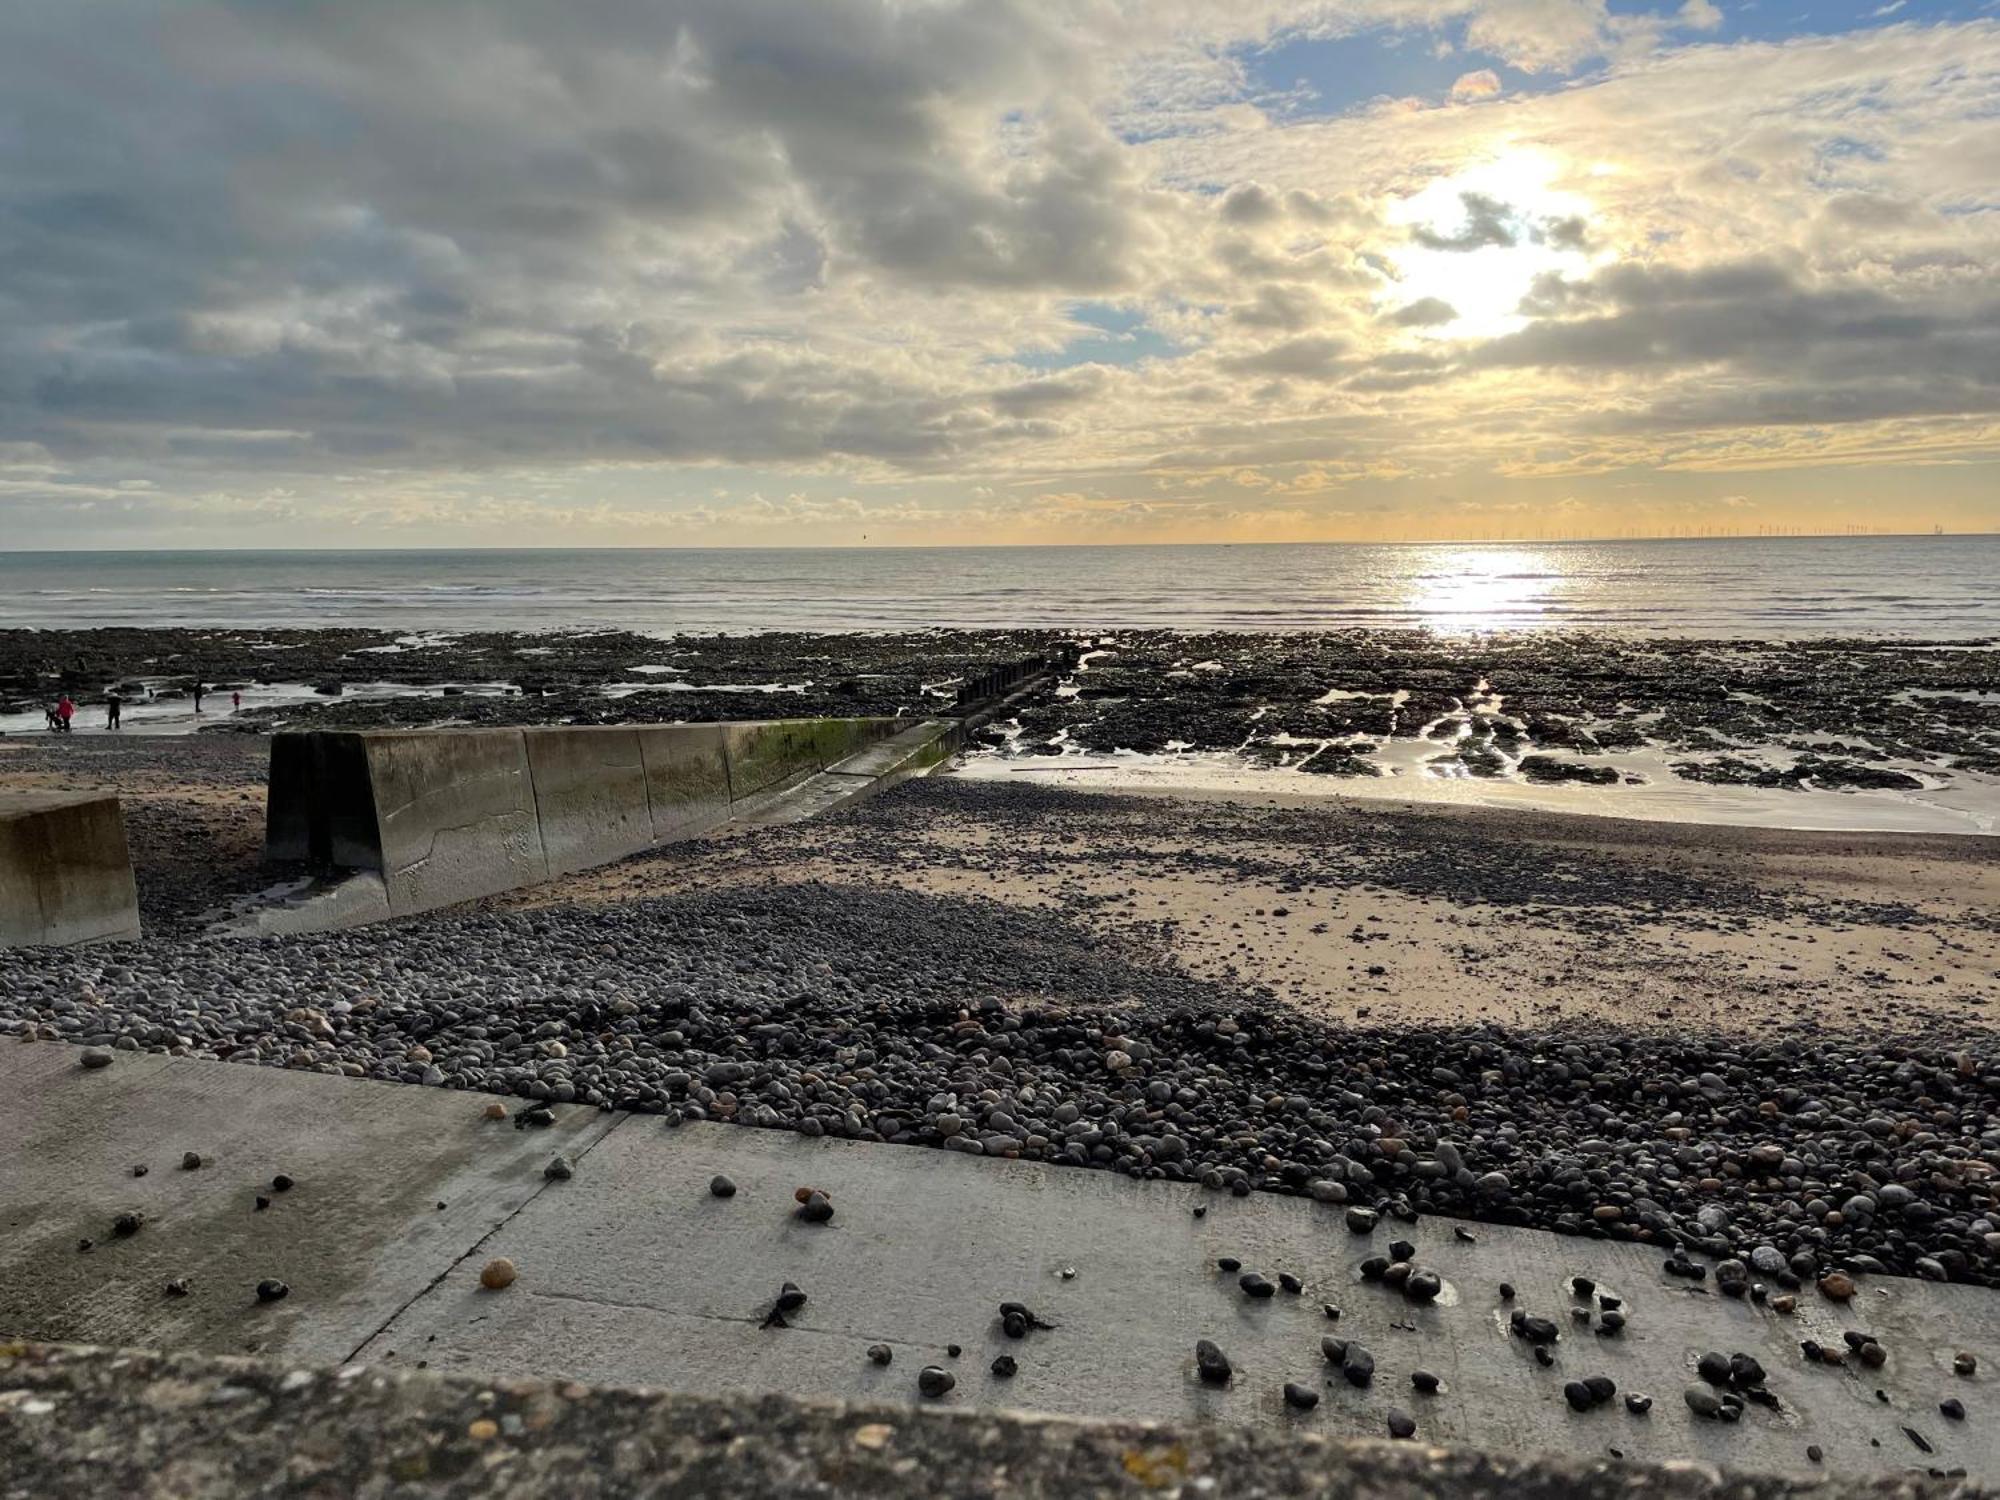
[[65, 710]]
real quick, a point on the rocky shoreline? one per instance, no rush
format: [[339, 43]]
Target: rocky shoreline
[[884, 1016], [1539, 707]]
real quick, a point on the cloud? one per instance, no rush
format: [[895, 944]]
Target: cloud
[[1426, 312], [1487, 222], [1482, 83], [469, 263]]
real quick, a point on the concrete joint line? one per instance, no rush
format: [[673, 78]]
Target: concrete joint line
[[474, 1248]]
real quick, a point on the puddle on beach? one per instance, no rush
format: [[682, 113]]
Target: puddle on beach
[[1969, 805]]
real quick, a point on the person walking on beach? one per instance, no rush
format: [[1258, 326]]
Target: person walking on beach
[[198, 690], [54, 718], [235, 702], [112, 703], [65, 711]]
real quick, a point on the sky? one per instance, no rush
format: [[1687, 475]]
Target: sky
[[896, 272]]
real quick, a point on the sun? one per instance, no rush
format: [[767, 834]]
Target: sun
[[1476, 241]]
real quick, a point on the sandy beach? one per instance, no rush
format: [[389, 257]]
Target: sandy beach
[[1517, 993]]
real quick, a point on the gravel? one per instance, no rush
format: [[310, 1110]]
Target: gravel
[[964, 1024]]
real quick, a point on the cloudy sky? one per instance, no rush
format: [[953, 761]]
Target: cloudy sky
[[770, 272]]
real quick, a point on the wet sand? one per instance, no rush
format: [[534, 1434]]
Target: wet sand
[[1367, 911]]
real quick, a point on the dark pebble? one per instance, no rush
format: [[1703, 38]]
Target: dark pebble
[[1952, 1407], [1255, 1286], [880, 1354], [1211, 1363], [1228, 1264], [1506, 1291], [1291, 1283], [1300, 1397], [721, 1187], [1401, 1423], [1637, 1403], [953, 1350], [1004, 1366], [127, 1225], [934, 1381], [270, 1289], [1358, 1366], [190, 1161], [282, 1183]]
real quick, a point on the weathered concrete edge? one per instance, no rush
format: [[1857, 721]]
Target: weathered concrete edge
[[82, 1421]]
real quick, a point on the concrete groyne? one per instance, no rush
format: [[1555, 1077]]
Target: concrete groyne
[[447, 815], [65, 871]]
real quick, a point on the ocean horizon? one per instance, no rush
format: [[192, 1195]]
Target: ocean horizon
[[1906, 587]]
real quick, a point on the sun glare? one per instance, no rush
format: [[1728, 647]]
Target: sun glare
[[1483, 588], [1480, 237]]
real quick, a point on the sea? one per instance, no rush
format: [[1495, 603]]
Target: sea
[[1917, 587]]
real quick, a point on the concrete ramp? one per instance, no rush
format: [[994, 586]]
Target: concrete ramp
[[447, 815], [65, 871]]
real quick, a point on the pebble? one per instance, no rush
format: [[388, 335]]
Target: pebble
[[178, 1287], [140, 1169], [1358, 1365], [1837, 1285], [1291, 1283], [1638, 1403], [281, 1183], [1401, 1424], [559, 1170], [190, 1161], [816, 1208], [127, 1224], [1964, 1363], [1425, 1381], [934, 1381], [495, 1110], [721, 1187], [1004, 1366], [1255, 1286], [497, 1274], [1952, 1407], [1211, 1363], [270, 1289], [1814, 1453], [880, 1354], [1228, 1264], [1300, 1397], [95, 1057], [651, 995]]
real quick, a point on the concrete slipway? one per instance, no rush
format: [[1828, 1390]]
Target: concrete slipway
[[631, 1272]]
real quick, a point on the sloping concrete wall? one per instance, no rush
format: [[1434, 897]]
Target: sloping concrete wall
[[687, 778], [590, 794], [65, 871], [447, 815]]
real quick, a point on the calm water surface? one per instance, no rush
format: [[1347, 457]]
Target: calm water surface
[[1934, 587]]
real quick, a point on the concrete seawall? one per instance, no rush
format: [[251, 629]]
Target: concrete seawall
[[447, 815], [65, 871]]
